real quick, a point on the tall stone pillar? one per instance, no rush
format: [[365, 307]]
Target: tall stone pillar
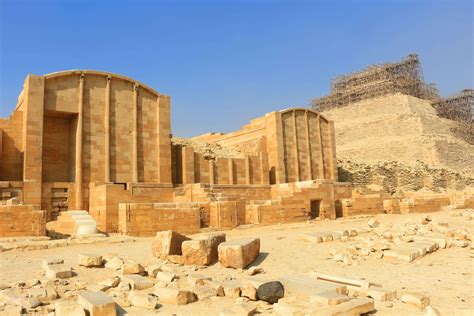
[[275, 147], [33, 118], [78, 166], [163, 139]]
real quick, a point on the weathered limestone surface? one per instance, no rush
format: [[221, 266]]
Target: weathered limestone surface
[[167, 243], [239, 253]]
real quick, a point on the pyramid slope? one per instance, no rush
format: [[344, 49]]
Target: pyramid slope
[[399, 128]]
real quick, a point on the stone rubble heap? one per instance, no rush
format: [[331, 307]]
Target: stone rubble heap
[[150, 286]]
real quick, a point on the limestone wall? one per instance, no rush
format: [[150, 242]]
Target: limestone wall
[[21, 220], [145, 219]]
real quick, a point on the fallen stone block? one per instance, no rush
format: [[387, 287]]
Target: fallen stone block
[[232, 289], [142, 300], [270, 292], [110, 282], [356, 306], [203, 292], [167, 243], [373, 223], [50, 261], [68, 308], [309, 286], [441, 242], [197, 252], [379, 294], [239, 253], [216, 286], [174, 296], [416, 299], [89, 260], [249, 291], [165, 277], [132, 268], [137, 282], [153, 270], [198, 279], [329, 298], [114, 263], [240, 309], [43, 294], [58, 271], [97, 303]]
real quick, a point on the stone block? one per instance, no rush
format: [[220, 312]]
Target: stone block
[[203, 250], [89, 260], [416, 299], [174, 296], [50, 261], [198, 279], [142, 300], [137, 282], [232, 289], [239, 309], [43, 294], [308, 286], [239, 253], [58, 271], [167, 243], [203, 292], [356, 306], [380, 294], [165, 277], [97, 304], [68, 308], [329, 298], [132, 268]]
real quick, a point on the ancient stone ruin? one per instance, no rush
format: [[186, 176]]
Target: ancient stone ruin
[[88, 164]]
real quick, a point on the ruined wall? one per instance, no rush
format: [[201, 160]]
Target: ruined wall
[[145, 219], [299, 144], [21, 220], [11, 147]]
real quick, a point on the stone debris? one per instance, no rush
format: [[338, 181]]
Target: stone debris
[[58, 271], [255, 270], [174, 296], [142, 300], [68, 308], [329, 298], [416, 299], [43, 294], [198, 279], [167, 243], [97, 303], [202, 251], [132, 268], [232, 289], [239, 309], [137, 282], [114, 263], [239, 253], [89, 260], [373, 223], [165, 277]]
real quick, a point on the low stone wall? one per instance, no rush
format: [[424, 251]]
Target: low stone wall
[[362, 205], [423, 205], [21, 220], [145, 219], [274, 213]]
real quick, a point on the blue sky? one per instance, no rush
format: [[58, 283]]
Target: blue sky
[[226, 62]]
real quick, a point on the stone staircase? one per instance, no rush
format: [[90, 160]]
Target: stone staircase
[[73, 223]]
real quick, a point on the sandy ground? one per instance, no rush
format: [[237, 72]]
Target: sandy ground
[[445, 276]]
